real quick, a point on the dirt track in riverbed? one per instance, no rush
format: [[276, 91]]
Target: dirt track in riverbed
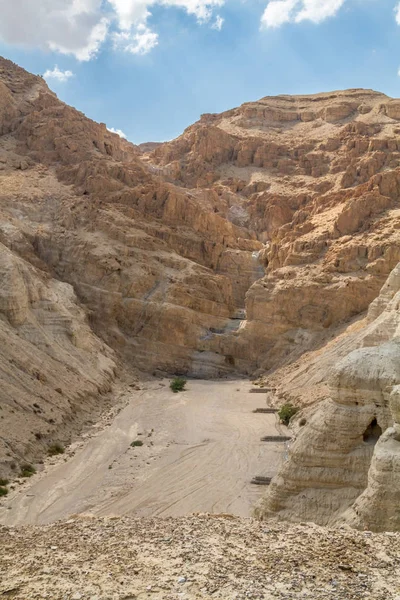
[[200, 450]]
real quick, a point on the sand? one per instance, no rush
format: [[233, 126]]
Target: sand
[[200, 450]]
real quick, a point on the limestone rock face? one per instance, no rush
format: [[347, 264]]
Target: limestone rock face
[[377, 508], [158, 268], [252, 238], [7, 109], [345, 461], [53, 368], [317, 178]]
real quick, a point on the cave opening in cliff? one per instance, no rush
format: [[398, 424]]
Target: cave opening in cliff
[[372, 433], [230, 360]]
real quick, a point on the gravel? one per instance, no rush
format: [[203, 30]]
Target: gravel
[[198, 557]]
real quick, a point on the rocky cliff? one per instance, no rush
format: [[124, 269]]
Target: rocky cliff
[[343, 462], [243, 246], [316, 177]]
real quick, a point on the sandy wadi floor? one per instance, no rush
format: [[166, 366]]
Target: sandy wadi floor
[[200, 450]]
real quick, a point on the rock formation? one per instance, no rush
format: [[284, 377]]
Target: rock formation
[[245, 245], [345, 460], [316, 177], [53, 368], [95, 240]]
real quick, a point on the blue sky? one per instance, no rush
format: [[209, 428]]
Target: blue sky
[[150, 67]]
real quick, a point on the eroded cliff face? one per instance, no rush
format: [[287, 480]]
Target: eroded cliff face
[[343, 464], [54, 370], [316, 177], [156, 267], [251, 239], [103, 262]]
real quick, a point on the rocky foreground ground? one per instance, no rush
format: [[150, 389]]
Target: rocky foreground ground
[[201, 556]]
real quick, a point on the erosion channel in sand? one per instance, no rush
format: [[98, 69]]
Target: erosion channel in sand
[[201, 447]]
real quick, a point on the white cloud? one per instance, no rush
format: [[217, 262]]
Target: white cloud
[[130, 12], [132, 16], [80, 27], [219, 21], [133, 12], [92, 45], [57, 74], [140, 42], [397, 13], [279, 12], [118, 132], [318, 10], [76, 27], [201, 9]]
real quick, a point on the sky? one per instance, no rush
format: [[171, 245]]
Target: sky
[[150, 68]]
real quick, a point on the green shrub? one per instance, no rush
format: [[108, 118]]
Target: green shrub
[[137, 443], [27, 470], [286, 413], [3, 482], [3, 491], [177, 384], [55, 449]]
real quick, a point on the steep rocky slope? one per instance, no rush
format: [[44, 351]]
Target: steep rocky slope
[[317, 178], [250, 240], [92, 240], [53, 368], [344, 462], [141, 253]]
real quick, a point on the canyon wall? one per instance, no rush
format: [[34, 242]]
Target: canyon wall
[[54, 371], [317, 178], [247, 245], [343, 463]]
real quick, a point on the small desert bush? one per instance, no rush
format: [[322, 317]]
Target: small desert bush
[[27, 470], [177, 384], [3, 491], [55, 449], [137, 443], [3, 482], [286, 413]]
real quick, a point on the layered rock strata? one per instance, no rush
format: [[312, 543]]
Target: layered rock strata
[[344, 461], [317, 178], [54, 371], [251, 239]]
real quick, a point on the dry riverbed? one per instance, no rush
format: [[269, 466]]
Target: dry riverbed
[[201, 447]]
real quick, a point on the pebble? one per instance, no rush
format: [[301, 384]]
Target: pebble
[[226, 558]]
